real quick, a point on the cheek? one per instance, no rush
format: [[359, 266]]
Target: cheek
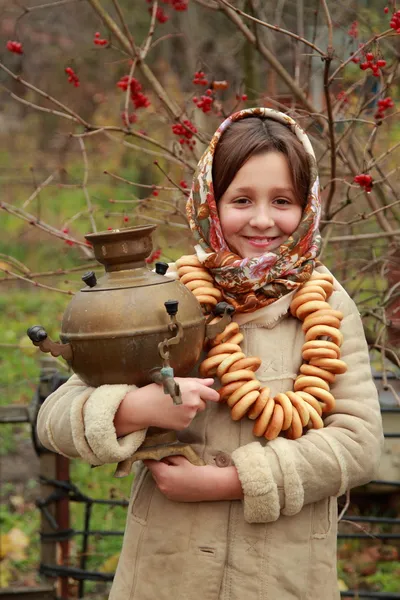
[[231, 222], [290, 224]]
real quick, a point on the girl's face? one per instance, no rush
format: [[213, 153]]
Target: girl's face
[[259, 209]]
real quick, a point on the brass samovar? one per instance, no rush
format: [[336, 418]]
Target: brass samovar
[[133, 326]]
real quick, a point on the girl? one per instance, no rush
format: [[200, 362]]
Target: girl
[[258, 521]]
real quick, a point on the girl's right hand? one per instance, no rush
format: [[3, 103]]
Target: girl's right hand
[[149, 406]]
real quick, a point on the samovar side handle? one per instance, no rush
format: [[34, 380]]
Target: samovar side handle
[[39, 338]]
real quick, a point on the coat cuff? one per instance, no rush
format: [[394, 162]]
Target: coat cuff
[[261, 495], [98, 416]]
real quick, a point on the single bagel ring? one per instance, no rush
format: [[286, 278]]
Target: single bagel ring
[[196, 276], [295, 430], [323, 396], [209, 365], [275, 425], [228, 362], [316, 319], [299, 406], [317, 372], [259, 404], [249, 386], [223, 348], [305, 381], [244, 404], [312, 353], [324, 330], [302, 299], [250, 362], [330, 364], [311, 401], [188, 260], [287, 406], [308, 307], [228, 389], [242, 374], [224, 336], [261, 424]]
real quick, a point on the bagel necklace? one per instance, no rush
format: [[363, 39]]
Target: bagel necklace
[[292, 412]]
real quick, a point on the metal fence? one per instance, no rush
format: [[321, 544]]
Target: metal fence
[[57, 492]]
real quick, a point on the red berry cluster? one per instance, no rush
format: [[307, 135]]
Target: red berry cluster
[[205, 101], [128, 118], [155, 255], [183, 184], [185, 133], [353, 30], [139, 99], [364, 181], [126, 219], [395, 21], [72, 76], [98, 40], [343, 97], [372, 63], [179, 5], [161, 16], [67, 242], [386, 10], [383, 105], [199, 78], [15, 47]]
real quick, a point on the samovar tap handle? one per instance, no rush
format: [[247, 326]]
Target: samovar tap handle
[[39, 338], [225, 311]]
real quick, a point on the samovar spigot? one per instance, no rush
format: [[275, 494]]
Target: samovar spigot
[[165, 375]]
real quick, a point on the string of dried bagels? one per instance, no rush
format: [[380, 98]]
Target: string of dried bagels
[[292, 412]]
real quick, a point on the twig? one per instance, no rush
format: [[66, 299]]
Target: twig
[[84, 184], [35, 283], [359, 51], [37, 106], [28, 9], [170, 157], [18, 212], [152, 27], [39, 188], [124, 24], [273, 27], [45, 95], [365, 236]]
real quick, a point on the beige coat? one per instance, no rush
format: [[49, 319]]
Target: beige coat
[[280, 542]]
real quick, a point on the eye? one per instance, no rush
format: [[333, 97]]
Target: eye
[[282, 201], [241, 201]]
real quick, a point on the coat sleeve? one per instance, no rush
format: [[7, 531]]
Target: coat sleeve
[[78, 421], [284, 475]]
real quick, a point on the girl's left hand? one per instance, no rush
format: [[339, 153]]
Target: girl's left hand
[[181, 481]]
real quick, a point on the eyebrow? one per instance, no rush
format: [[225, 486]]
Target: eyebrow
[[277, 189]]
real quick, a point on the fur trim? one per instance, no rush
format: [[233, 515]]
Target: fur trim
[[292, 484], [78, 428], [261, 497], [99, 412]]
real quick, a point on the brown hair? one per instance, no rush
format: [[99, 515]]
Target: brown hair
[[255, 135]]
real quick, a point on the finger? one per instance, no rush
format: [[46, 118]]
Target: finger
[[206, 381], [209, 394], [156, 467]]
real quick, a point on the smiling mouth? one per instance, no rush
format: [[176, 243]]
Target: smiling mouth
[[260, 240]]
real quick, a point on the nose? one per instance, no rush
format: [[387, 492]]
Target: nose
[[262, 218]]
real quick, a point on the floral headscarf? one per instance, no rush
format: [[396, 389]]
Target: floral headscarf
[[251, 283]]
